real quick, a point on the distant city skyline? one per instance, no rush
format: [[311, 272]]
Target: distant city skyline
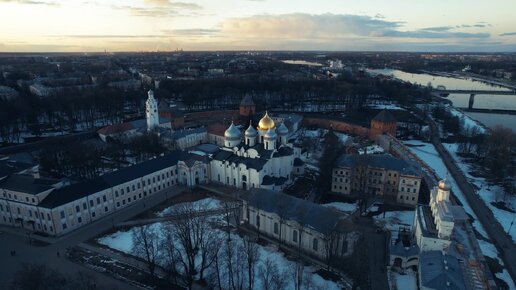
[[346, 25]]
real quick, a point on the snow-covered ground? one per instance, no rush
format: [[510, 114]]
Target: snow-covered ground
[[469, 123], [406, 281], [489, 193], [373, 149], [122, 241], [392, 220], [204, 204], [342, 206], [386, 107], [427, 153]]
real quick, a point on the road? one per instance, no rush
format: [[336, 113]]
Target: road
[[16, 239], [502, 241]]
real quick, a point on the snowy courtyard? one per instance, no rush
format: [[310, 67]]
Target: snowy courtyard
[[268, 255]]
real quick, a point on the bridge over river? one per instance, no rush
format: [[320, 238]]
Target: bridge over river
[[443, 92]]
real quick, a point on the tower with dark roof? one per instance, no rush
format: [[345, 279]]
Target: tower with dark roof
[[383, 123], [247, 107]]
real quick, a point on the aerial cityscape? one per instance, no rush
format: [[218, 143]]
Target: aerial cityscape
[[257, 144]]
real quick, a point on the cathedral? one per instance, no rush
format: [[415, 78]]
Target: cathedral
[[261, 157]]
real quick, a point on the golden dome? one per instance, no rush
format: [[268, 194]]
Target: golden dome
[[266, 123]]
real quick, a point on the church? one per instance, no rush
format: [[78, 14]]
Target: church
[[259, 157]]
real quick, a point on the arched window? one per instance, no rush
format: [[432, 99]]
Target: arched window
[[276, 228], [244, 178], [315, 245], [294, 236]]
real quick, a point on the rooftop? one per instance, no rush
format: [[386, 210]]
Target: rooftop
[[438, 271], [380, 161], [312, 215]]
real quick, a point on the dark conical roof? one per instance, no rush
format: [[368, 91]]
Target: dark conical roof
[[384, 116], [247, 101]]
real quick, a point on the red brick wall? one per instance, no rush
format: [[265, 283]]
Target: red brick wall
[[337, 126]]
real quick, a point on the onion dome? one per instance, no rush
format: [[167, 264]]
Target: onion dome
[[266, 123], [444, 185], [232, 133], [270, 134], [251, 131], [282, 129]]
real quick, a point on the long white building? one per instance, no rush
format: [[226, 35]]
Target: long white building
[[47, 206]]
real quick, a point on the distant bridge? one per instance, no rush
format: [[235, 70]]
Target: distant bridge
[[473, 92], [443, 92]]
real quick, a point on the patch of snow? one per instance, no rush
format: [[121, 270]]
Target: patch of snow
[[504, 275], [405, 282], [373, 149], [469, 123], [342, 206], [392, 220], [386, 107], [204, 204]]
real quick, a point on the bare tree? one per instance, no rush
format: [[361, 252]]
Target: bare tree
[[38, 277], [146, 244], [271, 276], [251, 256], [195, 245]]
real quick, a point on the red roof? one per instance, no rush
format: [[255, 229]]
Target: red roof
[[116, 128]]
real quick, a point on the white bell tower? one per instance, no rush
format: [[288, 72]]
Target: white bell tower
[[152, 112]]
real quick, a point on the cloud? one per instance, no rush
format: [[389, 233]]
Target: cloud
[[332, 26], [104, 36], [508, 34], [191, 32], [162, 8], [31, 2]]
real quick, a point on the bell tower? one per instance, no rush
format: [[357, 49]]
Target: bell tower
[[151, 112]]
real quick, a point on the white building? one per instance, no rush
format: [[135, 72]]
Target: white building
[[316, 230], [48, 207], [434, 224], [151, 112], [262, 158]]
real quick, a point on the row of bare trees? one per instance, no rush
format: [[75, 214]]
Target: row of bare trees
[[197, 248]]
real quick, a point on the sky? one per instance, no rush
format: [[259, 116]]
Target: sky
[[326, 25]]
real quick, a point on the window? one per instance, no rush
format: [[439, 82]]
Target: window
[[1, 207], [30, 213], [294, 236], [257, 221], [134, 188], [104, 198], [128, 189], [79, 219], [48, 216], [77, 208], [93, 214], [276, 228], [98, 200], [91, 202], [27, 199], [106, 209], [62, 214], [83, 205], [315, 245], [64, 226], [117, 204]]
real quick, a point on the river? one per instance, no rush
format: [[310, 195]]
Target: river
[[504, 102]]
